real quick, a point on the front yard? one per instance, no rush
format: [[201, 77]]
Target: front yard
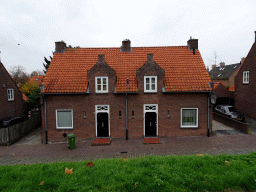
[[153, 173]]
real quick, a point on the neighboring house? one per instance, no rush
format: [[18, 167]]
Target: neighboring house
[[245, 81], [38, 79], [126, 92], [224, 73], [224, 97], [11, 98], [232, 88]]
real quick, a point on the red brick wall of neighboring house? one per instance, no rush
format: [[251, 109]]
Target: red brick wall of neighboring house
[[85, 128], [9, 109], [225, 82], [245, 93], [232, 79]]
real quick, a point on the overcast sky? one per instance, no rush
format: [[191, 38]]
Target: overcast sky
[[225, 27]]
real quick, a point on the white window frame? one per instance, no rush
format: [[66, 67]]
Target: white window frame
[[246, 77], [10, 95], [189, 126], [71, 110], [150, 84], [96, 84]]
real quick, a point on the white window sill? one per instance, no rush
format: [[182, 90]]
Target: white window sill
[[182, 127], [64, 127]]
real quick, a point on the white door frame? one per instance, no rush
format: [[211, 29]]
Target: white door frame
[[150, 110], [102, 108]]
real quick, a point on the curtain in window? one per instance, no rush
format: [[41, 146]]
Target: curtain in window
[[64, 118], [189, 117]]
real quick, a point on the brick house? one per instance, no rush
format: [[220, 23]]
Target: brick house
[[11, 98], [224, 96], [225, 73], [245, 81], [126, 92], [37, 79]]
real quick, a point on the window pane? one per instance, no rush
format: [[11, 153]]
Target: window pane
[[153, 80], [104, 87], [104, 81], [189, 117], [64, 119], [147, 86], [147, 80], [98, 81], [99, 87], [153, 87]]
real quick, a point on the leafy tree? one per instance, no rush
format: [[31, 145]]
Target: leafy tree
[[19, 75], [47, 63], [32, 90]]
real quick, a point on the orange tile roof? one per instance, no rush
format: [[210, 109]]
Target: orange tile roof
[[184, 71], [232, 88], [24, 97], [216, 84], [39, 79]]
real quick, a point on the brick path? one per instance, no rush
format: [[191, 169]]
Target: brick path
[[41, 153]]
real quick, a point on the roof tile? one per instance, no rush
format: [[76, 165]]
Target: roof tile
[[184, 71]]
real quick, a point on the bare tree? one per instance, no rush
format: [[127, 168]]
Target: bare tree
[[36, 73], [19, 75]]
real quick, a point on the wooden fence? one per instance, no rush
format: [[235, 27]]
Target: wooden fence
[[14, 133]]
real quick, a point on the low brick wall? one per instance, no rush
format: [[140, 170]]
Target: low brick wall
[[14, 133], [238, 125]]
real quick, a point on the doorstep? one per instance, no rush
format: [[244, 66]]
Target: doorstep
[[101, 141], [151, 141]]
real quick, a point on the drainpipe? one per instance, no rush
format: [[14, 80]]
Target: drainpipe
[[45, 120], [208, 120], [126, 116]]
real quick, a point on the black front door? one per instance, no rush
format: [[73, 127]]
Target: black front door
[[102, 125], [150, 124]]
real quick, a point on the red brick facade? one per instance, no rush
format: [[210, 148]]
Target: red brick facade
[[14, 108], [85, 127], [245, 92]]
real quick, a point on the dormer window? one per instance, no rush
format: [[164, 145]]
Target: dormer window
[[150, 83], [36, 79], [246, 77], [101, 84]]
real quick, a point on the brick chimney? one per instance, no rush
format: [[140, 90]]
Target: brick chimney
[[126, 46], [213, 66], [60, 47], [222, 64], [192, 44], [242, 60]]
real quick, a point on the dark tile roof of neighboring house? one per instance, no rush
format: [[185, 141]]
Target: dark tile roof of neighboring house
[[224, 72], [184, 71]]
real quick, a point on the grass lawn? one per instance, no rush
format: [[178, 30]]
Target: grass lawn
[[151, 173]]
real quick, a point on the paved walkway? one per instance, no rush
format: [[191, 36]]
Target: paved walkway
[[29, 150]]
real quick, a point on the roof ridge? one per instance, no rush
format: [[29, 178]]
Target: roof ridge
[[120, 47]]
